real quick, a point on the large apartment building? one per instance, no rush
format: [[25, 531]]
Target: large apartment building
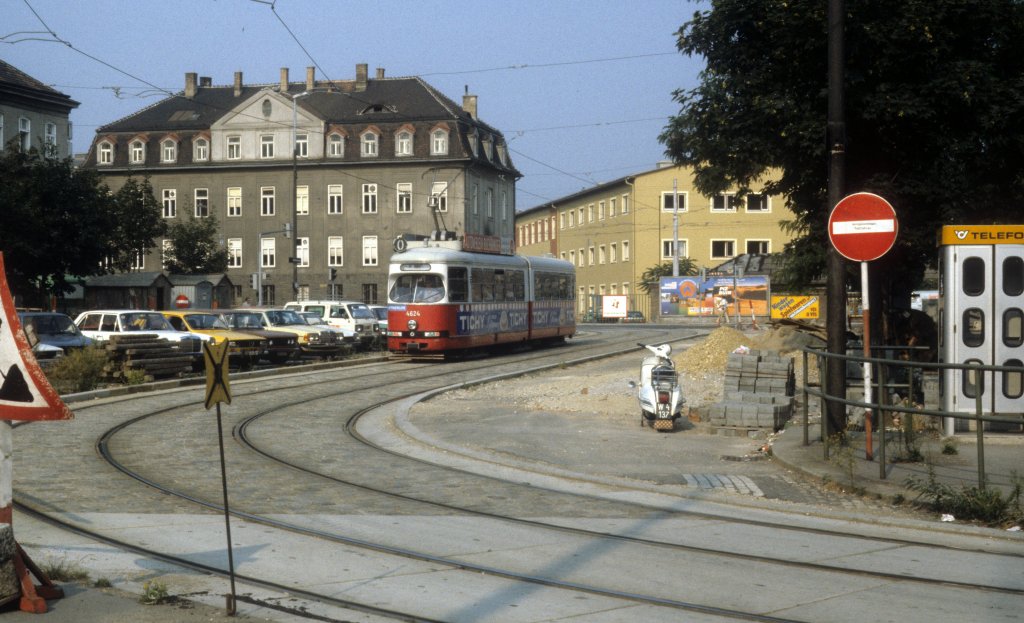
[[32, 114], [614, 232], [315, 178]]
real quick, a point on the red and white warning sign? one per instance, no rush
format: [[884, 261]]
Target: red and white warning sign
[[863, 227]]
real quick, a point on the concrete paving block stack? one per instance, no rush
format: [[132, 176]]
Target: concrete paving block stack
[[759, 388]]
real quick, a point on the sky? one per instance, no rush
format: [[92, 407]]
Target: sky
[[579, 88]]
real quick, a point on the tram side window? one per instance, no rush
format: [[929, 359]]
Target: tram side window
[[973, 380], [1013, 276], [515, 285], [482, 284], [974, 327], [1013, 382], [458, 284], [1013, 328], [973, 276]]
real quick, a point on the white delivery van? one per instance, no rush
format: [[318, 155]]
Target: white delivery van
[[353, 317]]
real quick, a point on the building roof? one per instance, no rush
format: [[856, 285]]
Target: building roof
[[215, 279], [125, 280], [18, 87]]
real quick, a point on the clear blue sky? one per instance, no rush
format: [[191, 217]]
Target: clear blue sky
[[580, 88]]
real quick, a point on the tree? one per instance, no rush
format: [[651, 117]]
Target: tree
[[650, 280], [195, 248], [58, 222], [934, 115], [138, 222]]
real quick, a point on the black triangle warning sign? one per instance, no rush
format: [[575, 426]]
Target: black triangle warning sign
[[25, 393]]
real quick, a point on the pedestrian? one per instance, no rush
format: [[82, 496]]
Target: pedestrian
[[722, 307]]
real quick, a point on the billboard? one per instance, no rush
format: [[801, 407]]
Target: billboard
[[691, 296]]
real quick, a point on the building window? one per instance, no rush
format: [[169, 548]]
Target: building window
[[234, 202], [369, 250], [572, 218], [625, 250], [613, 252], [403, 201], [475, 199], [302, 145], [504, 205], [138, 259], [439, 143], [369, 198], [590, 256], [758, 202], [403, 143], [2, 142], [303, 252], [234, 148], [335, 146], [368, 145], [668, 249], [668, 201], [439, 196], [25, 133], [489, 203], [761, 247], [334, 199], [602, 256], [137, 152], [370, 293], [302, 200], [335, 251], [234, 252], [724, 202], [168, 151], [165, 249], [50, 134], [723, 249], [590, 213], [611, 207], [268, 252], [267, 146], [580, 257], [267, 201], [201, 150], [202, 202], [170, 202], [625, 204]]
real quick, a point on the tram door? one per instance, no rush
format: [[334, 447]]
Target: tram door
[[981, 313]]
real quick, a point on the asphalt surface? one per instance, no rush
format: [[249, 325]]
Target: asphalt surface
[[693, 460]]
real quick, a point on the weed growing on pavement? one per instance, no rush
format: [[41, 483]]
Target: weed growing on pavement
[[974, 503], [950, 446], [102, 583], [63, 570], [80, 370], [135, 377], [843, 457], [154, 592]]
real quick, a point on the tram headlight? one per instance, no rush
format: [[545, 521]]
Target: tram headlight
[[412, 324]]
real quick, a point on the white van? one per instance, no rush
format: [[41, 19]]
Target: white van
[[351, 316]]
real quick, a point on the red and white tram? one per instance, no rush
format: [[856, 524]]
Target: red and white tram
[[442, 299]]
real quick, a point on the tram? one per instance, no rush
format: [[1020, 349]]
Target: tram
[[443, 299]]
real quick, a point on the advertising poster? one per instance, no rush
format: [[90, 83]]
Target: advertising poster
[[795, 307], [689, 296]]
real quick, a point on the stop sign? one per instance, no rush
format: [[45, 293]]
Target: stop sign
[[181, 302], [863, 227]]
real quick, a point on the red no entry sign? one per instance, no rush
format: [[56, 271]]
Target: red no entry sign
[[863, 227]]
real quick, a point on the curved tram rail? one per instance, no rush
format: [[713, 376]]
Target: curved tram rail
[[340, 486]]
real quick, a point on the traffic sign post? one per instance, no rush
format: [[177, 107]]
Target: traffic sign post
[[862, 228], [218, 390]]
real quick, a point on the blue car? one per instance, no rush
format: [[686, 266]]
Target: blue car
[[51, 334]]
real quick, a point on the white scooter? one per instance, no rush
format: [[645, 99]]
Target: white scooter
[[661, 398]]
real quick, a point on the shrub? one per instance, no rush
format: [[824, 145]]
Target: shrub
[[80, 370], [61, 570], [987, 504], [154, 592]]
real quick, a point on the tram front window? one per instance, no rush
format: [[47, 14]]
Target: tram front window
[[418, 289]]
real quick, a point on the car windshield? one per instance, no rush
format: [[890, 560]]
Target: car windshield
[[244, 321], [362, 311], [380, 312], [56, 324], [284, 317], [311, 317], [205, 321], [144, 321], [427, 288]]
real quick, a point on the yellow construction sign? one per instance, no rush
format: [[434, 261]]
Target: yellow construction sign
[[796, 307], [218, 389]]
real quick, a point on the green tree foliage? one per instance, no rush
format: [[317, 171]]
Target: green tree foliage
[[195, 247], [138, 222], [934, 115], [57, 221], [650, 280]]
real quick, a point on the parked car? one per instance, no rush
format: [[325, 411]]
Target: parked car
[[281, 346], [312, 342], [351, 316], [634, 316], [381, 312], [51, 335], [101, 324], [245, 349]]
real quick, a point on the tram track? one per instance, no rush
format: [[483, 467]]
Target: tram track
[[282, 409]]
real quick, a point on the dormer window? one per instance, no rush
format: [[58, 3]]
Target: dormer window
[[201, 150], [487, 148], [336, 146], [503, 155], [474, 144], [403, 143], [439, 143], [105, 154], [137, 152], [168, 151], [368, 144]]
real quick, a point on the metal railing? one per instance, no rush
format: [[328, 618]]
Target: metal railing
[[882, 372]]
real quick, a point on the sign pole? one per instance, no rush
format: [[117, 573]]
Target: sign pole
[[218, 390], [869, 452], [231, 608]]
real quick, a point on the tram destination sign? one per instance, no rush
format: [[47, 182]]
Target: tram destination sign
[[863, 227]]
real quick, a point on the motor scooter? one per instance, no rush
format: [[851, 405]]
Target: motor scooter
[[661, 398]]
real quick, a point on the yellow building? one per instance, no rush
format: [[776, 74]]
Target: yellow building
[[614, 232]]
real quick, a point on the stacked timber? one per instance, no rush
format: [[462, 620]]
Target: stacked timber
[[146, 352]]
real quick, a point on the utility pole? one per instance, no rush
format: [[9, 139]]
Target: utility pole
[[675, 228]]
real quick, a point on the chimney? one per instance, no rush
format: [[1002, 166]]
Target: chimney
[[380, 73], [205, 81], [190, 84], [238, 83], [361, 70], [469, 103], [284, 79], [310, 78]]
